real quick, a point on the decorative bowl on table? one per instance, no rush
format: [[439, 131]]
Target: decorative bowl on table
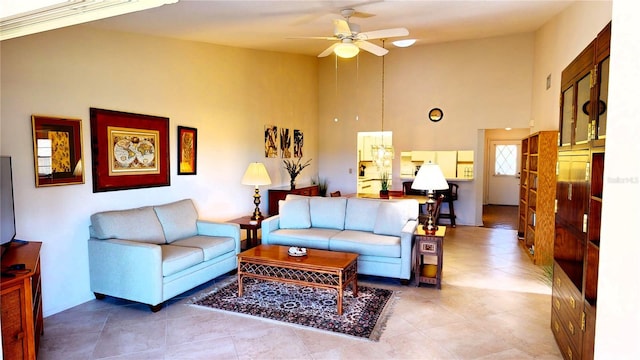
[[297, 251]]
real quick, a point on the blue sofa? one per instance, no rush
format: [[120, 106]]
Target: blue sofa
[[380, 231], [153, 253]]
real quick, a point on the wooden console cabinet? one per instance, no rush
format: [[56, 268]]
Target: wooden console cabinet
[[277, 194], [21, 302]]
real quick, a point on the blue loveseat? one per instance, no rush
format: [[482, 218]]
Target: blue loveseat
[[153, 253], [380, 231]]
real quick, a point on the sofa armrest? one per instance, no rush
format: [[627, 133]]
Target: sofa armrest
[[269, 225], [406, 251], [215, 228], [126, 269]]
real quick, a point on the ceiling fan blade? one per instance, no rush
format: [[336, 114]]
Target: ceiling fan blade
[[372, 48], [383, 34], [341, 27], [333, 38], [328, 51]]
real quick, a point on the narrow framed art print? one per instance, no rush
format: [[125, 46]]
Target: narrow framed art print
[[129, 151], [57, 150], [187, 150]]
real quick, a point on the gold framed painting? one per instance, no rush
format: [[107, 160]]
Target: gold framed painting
[[187, 150], [57, 150]]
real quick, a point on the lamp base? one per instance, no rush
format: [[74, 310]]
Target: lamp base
[[429, 226], [257, 215]]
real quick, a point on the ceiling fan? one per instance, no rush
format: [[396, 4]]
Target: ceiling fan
[[350, 40]]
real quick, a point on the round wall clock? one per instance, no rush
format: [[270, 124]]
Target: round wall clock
[[435, 114]]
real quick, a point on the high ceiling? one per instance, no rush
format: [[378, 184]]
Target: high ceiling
[[270, 25]]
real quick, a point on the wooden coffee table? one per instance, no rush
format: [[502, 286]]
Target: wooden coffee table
[[319, 268]]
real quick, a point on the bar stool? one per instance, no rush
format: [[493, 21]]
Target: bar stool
[[449, 196], [406, 187]]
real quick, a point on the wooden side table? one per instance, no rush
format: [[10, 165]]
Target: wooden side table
[[428, 245], [252, 229]]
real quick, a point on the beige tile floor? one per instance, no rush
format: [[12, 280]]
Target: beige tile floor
[[493, 304]]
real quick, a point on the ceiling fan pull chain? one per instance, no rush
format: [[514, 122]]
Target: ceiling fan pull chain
[[335, 118], [382, 122], [357, 87]]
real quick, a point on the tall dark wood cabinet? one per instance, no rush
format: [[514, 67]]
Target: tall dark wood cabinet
[[579, 173], [21, 302]]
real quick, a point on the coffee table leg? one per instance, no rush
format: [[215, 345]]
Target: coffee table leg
[[239, 284], [354, 285], [340, 301]]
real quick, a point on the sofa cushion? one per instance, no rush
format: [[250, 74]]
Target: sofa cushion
[[328, 212], [391, 218], [178, 219], [296, 196], [294, 214], [315, 238], [211, 246], [366, 243], [140, 224], [361, 214], [177, 258]]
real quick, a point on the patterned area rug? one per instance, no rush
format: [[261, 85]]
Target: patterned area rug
[[363, 317]]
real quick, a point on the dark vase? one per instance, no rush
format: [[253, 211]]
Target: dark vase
[[384, 194]]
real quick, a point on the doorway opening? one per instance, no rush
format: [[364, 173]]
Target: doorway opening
[[502, 177]]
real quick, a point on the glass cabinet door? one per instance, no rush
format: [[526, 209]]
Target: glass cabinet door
[[566, 117], [603, 90], [582, 115]]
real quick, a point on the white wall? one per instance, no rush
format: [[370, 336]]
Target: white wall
[[478, 84], [618, 318], [228, 94]]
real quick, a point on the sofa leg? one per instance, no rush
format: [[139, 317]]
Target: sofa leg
[[404, 281], [99, 296], [155, 308]]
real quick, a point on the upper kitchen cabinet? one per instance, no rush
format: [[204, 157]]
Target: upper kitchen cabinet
[[455, 164], [584, 96]]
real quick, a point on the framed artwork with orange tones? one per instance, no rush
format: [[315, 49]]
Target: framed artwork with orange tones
[[187, 150]]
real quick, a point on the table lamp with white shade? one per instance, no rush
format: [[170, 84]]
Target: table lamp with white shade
[[256, 175], [430, 178]]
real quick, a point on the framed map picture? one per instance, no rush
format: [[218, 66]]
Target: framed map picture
[[129, 151]]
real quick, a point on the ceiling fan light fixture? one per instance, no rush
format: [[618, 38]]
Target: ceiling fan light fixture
[[346, 50], [404, 43]]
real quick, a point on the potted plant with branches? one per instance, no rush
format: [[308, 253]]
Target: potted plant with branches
[[294, 168], [384, 184]]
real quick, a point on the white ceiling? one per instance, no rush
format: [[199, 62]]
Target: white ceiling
[[269, 25]]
